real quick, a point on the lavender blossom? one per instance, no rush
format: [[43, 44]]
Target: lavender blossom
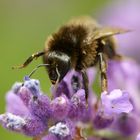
[[113, 103], [40, 107], [12, 122], [29, 89], [77, 105], [24, 119], [33, 85], [60, 129], [122, 76], [34, 126], [60, 107], [61, 89], [25, 95], [63, 130], [13, 102], [66, 114], [102, 120], [116, 102], [126, 124]]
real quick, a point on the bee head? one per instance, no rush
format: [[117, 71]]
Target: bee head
[[59, 65]]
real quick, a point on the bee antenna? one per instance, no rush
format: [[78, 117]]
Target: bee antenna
[[35, 69]]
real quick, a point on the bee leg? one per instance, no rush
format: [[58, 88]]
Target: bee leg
[[58, 78], [103, 70], [29, 60], [85, 82]]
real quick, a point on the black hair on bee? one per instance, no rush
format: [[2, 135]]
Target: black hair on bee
[[79, 44]]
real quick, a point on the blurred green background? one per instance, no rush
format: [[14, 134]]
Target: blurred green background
[[24, 27]]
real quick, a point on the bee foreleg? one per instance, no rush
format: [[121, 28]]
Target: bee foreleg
[[85, 83], [29, 60], [103, 70]]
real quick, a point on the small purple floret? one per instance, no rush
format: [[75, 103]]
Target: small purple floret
[[40, 107], [63, 130], [12, 122], [126, 124], [33, 85], [25, 95], [60, 129], [34, 126], [102, 120], [60, 107], [15, 105], [78, 105], [116, 102]]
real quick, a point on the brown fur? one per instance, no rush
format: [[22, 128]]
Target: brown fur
[[75, 40]]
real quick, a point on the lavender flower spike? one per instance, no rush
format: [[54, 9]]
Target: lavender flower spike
[[116, 102]]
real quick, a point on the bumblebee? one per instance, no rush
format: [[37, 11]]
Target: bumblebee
[[79, 44]]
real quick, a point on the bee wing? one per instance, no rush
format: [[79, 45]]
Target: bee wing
[[108, 31]]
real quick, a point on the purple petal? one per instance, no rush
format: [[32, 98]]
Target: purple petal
[[116, 102], [72, 82], [13, 103], [61, 89], [122, 104]]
